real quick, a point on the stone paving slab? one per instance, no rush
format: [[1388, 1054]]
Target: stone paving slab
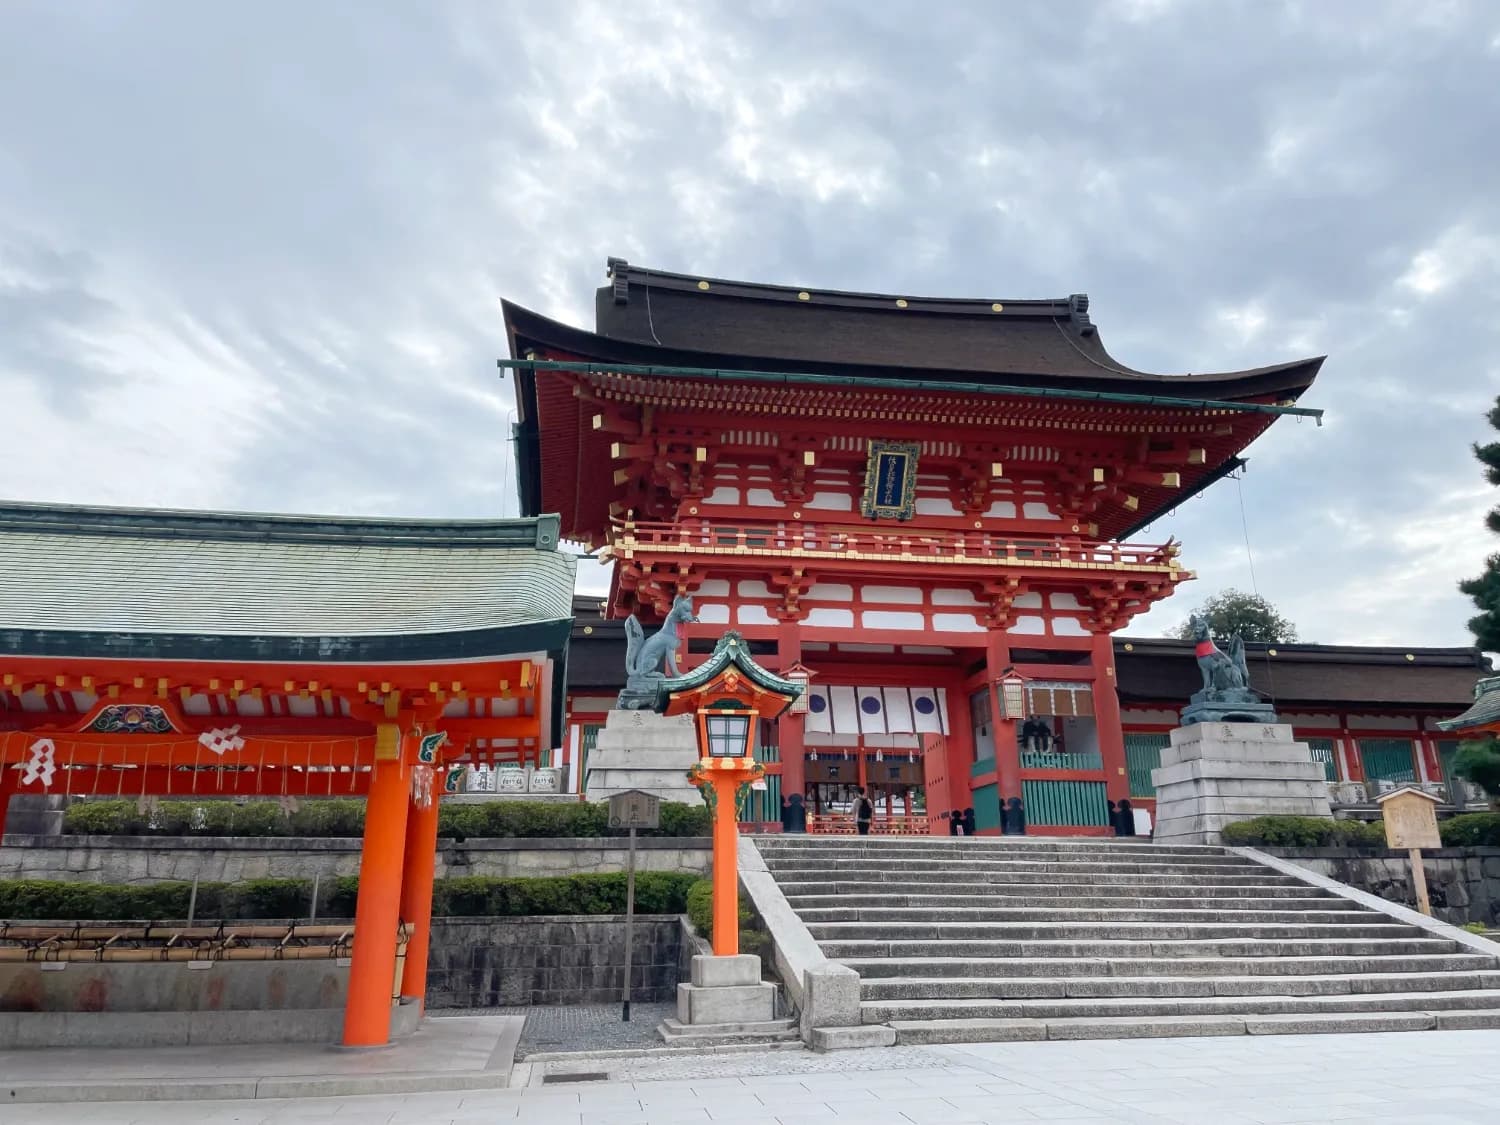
[[585, 1027], [1291, 1080], [457, 1053]]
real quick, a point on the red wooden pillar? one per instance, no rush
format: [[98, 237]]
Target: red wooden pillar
[[7, 790], [1107, 718], [372, 974], [416, 894], [1007, 746], [789, 726]]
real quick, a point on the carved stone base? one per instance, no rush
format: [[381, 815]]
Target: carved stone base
[[639, 693], [647, 751], [1219, 711]]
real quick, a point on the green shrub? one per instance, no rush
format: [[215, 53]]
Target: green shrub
[[328, 818], [1478, 760], [1471, 830], [344, 817], [656, 892], [1304, 832], [700, 907]]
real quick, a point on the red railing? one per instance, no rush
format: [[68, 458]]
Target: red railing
[[935, 545]]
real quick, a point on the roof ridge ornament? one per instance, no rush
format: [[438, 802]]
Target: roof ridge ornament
[[1078, 309], [618, 271]]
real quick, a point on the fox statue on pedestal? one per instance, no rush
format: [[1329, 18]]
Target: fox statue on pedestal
[[649, 660]]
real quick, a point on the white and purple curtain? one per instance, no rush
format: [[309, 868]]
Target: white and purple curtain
[[836, 709]]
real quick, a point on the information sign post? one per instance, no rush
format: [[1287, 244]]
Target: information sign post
[[1410, 818], [632, 810]]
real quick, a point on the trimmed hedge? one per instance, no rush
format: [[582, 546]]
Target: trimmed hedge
[[754, 937], [1305, 832], [1471, 830], [656, 892], [345, 817]]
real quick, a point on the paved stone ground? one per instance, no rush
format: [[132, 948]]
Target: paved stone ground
[[1426, 1078], [586, 1027]]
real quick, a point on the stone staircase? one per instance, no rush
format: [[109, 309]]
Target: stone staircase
[[973, 940]]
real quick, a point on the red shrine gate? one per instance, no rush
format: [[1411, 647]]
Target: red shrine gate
[[918, 500]]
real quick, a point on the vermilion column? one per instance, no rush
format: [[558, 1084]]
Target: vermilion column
[[1007, 747], [372, 975], [1107, 718], [726, 940], [416, 894], [789, 726]]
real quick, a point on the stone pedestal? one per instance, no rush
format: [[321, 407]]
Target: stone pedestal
[[726, 1002], [647, 751], [1216, 773]]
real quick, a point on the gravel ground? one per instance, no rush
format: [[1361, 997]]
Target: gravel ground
[[585, 1027]]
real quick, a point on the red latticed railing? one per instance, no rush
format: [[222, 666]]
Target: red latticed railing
[[842, 824], [936, 545]]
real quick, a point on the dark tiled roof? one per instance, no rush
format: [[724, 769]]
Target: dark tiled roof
[[131, 582], [1165, 671], [1485, 710], [778, 325]]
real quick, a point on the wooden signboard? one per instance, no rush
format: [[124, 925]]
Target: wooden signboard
[[1410, 818], [632, 809]]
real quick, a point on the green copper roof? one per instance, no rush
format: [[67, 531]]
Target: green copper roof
[[731, 649], [1485, 710]]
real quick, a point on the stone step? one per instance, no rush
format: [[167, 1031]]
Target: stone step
[[1020, 870], [1041, 892], [1006, 988], [949, 845], [996, 968], [951, 913], [1162, 948], [1070, 931], [1258, 877], [676, 1033], [986, 898], [911, 863], [911, 1032], [887, 1011]]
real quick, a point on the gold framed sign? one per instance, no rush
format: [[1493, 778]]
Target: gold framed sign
[[890, 480]]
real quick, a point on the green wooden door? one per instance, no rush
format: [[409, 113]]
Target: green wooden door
[[1323, 751], [1070, 804], [1142, 755], [1387, 759]]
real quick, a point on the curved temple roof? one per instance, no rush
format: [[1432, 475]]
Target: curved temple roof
[[654, 317], [236, 586]]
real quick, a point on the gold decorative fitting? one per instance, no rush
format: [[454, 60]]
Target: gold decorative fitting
[[1129, 647], [1411, 656], [587, 629], [997, 307], [901, 302], [1270, 652], [692, 511], [804, 295], [796, 515], [702, 285]]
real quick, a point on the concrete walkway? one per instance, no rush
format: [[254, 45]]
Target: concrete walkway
[[454, 1053], [1441, 1078]]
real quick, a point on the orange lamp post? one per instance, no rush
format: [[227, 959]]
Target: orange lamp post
[[727, 695]]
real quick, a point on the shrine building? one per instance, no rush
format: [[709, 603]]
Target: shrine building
[[157, 655], [936, 509]]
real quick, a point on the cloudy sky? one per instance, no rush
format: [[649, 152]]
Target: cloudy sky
[[251, 255]]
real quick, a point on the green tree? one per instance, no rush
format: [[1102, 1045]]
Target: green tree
[[1479, 762], [1485, 590], [1233, 611]]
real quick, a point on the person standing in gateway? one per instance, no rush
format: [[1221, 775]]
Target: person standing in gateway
[[864, 811]]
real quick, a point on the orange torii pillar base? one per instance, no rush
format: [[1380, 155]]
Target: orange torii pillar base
[[377, 913]]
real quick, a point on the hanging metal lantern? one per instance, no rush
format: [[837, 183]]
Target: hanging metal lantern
[[1012, 697]]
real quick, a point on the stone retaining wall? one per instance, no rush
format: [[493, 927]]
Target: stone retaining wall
[[1463, 883], [154, 859], [501, 962]]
